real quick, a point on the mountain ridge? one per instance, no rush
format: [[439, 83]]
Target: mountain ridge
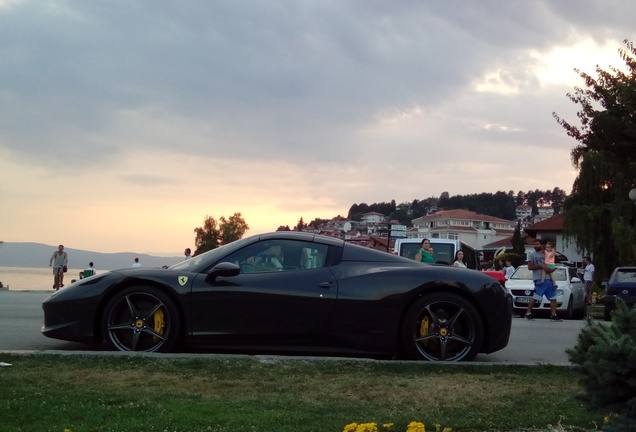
[[30, 254]]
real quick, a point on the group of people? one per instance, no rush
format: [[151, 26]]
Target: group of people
[[508, 269], [59, 263]]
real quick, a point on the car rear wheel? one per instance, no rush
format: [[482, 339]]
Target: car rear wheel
[[442, 326], [580, 313], [569, 311], [140, 319]]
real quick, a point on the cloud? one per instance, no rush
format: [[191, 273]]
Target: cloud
[[291, 107]]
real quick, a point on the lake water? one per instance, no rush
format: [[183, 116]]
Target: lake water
[[34, 279]]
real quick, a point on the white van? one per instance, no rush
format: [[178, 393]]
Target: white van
[[443, 250]]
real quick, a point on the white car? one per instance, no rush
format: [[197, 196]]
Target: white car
[[570, 292]]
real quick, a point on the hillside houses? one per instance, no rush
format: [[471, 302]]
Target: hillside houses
[[472, 228], [481, 232]]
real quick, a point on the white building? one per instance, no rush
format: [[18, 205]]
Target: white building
[[472, 228], [523, 211], [373, 218]]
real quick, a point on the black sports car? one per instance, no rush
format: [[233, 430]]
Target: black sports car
[[289, 292]]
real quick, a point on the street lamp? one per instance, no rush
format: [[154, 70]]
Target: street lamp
[[632, 195]]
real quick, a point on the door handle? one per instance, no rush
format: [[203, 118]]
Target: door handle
[[326, 285]]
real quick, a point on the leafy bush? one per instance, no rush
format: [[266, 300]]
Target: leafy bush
[[606, 355]]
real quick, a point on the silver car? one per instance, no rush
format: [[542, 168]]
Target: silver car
[[570, 292]]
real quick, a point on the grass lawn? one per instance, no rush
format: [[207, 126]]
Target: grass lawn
[[43, 392]]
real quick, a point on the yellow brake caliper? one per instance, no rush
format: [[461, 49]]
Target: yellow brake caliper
[[424, 329], [159, 323]]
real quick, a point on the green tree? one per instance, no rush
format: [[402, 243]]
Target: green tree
[[600, 218], [518, 246], [233, 228], [300, 225], [212, 234]]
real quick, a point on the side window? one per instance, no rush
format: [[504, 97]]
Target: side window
[[279, 255]]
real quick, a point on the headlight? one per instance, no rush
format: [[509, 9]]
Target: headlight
[[560, 292]]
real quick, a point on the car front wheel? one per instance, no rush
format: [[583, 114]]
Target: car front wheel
[[140, 319], [442, 327]]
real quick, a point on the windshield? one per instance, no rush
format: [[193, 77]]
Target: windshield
[[625, 275], [523, 273], [209, 256]]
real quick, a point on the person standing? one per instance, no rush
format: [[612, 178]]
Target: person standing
[[136, 263], [459, 259], [424, 253], [588, 278], [59, 260], [508, 269], [187, 253], [536, 263]]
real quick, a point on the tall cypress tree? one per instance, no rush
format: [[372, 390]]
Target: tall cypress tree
[[599, 215], [518, 246]]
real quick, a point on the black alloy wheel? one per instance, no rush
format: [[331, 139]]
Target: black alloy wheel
[[141, 319], [442, 327]]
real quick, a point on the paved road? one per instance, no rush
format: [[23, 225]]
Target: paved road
[[531, 342]]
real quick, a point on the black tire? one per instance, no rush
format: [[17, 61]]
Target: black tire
[[580, 313], [570, 310], [141, 318], [607, 314], [442, 327]]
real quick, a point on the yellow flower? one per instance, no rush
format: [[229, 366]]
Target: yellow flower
[[348, 428], [416, 427], [388, 425], [367, 427]]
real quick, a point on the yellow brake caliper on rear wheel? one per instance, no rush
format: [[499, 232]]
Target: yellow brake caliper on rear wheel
[[159, 323]]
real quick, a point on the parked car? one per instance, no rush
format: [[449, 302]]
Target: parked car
[[289, 292], [622, 284], [570, 292]]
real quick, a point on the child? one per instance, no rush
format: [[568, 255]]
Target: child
[[549, 261]]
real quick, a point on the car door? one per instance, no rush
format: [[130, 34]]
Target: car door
[[284, 292]]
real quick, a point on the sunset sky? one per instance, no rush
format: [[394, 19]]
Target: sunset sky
[[123, 124]]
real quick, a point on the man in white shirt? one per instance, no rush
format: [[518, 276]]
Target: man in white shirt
[[588, 278], [136, 264]]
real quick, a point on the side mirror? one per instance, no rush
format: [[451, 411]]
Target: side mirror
[[224, 269], [575, 280]]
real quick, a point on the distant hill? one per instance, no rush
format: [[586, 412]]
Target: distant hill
[[38, 255]]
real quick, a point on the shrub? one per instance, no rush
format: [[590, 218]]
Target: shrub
[[606, 355]]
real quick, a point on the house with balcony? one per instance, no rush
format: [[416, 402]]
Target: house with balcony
[[474, 229], [523, 211]]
